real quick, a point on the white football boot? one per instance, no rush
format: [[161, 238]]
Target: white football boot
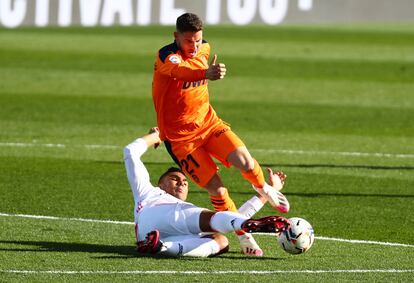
[[249, 246], [276, 199]]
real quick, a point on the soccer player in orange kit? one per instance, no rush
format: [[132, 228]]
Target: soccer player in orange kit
[[192, 131]]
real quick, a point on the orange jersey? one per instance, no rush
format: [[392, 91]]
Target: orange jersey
[[180, 94]]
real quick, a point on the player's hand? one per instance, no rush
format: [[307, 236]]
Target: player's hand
[[215, 71], [277, 177], [155, 132]]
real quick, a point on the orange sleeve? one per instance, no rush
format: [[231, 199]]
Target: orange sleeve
[[188, 70]]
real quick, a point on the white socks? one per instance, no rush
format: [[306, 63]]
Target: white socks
[[199, 247], [250, 207], [227, 221]]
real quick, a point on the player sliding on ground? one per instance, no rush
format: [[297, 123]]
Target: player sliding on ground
[[167, 225], [191, 130]]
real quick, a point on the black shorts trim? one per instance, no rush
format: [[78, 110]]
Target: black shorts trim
[[169, 149]]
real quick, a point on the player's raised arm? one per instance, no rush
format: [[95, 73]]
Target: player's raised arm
[[138, 176], [215, 71]]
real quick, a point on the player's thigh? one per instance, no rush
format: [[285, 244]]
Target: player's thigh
[[223, 142], [181, 238], [160, 217], [191, 216], [169, 220], [198, 165]]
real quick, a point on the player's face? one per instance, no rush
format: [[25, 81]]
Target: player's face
[[189, 42], [175, 183]]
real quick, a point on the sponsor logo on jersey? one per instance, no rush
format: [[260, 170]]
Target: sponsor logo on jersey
[[175, 59], [194, 84]]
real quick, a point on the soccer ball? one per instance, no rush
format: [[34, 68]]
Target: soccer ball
[[298, 238]]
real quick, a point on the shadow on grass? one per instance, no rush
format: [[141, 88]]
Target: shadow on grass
[[119, 252], [40, 246], [315, 194]]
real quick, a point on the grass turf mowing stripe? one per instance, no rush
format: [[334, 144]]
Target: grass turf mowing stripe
[[285, 151], [132, 223], [192, 272]]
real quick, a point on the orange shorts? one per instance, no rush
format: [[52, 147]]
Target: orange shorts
[[195, 158]]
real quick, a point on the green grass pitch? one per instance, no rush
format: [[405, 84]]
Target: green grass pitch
[[331, 106]]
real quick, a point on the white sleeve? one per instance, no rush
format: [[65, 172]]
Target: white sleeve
[[138, 176]]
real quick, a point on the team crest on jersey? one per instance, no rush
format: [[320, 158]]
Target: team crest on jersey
[[175, 59]]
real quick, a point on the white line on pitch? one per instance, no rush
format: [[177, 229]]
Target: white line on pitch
[[339, 153], [58, 145], [284, 151], [355, 241], [132, 223], [364, 242], [197, 272]]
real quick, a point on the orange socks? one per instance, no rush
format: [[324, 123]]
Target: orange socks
[[255, 176], [223, 203]]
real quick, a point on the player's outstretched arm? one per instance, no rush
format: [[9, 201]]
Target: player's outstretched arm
[[137, 174], [215, 71]]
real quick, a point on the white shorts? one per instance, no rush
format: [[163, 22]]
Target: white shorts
[[176, 219]]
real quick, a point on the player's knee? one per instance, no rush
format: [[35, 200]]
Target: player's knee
[[241, 159]]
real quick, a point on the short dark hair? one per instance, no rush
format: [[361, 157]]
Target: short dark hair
[[170, 170], [189, 22]]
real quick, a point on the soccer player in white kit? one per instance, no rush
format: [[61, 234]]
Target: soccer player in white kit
[[165, 224]]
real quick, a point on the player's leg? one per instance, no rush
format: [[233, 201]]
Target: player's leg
[[191, 245], [160, 218], [219, 196], [185, 219], [200, 167], [179, 235], [226, 146], [194, 245], [251, 171], [222, 202], [191, 220], [248, 166], [227, 221], [254, 204]]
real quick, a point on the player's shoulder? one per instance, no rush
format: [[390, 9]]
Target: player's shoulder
[[167, 50], [205, 47], [205, 43]]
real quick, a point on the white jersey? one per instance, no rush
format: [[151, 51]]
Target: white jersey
[[145, 194]]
